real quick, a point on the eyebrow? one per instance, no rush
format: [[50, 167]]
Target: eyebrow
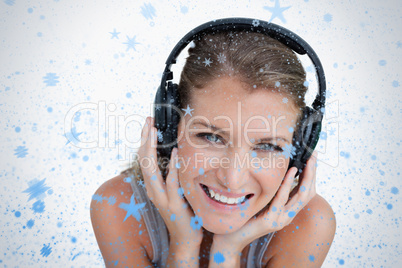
[[216, 129]]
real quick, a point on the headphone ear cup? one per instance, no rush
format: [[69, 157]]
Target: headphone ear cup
[[305, 138], [172, 116], [160, 109]]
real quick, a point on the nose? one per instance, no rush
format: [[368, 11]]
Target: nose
[[234, 174]]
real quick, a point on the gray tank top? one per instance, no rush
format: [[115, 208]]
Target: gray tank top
[[158, 233]]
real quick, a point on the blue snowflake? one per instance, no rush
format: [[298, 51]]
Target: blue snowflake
[[131, 43], [207, 62], [289, 151], [114, 34], [148, 11], [97, 198], [141, 183], [37, 189], [72, 136], [160, 135], [21, 151], [50, 79], [188, 110], [46, 250], [132, 209], [277, 11]]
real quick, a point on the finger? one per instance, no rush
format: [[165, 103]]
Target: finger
[[152, 175], [306, 190], [172, 181], [282, 195], [309, 174]]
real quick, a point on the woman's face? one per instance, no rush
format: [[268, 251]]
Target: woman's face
[[230, 157]]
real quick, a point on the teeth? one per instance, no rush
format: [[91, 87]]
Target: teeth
[[212, 193], [231, 200], [224, 199]]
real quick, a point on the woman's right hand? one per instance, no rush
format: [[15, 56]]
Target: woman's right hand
[[176, 213]]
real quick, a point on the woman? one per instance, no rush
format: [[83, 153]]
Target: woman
[[225, 201]]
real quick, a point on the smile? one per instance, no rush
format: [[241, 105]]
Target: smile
[[222, 201]]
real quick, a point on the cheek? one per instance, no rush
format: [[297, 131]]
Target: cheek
[[270, 176]]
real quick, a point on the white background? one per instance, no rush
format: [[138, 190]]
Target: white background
[[359, 44]]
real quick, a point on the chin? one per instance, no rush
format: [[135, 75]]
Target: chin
[[222, 228]]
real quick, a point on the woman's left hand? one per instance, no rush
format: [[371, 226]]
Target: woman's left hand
[[281, 212]]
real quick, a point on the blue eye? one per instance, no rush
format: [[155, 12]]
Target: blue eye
[[207, 136], [268, 147]]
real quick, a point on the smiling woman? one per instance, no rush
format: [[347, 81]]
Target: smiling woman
[[217, 204]]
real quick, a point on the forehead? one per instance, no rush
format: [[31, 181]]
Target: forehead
[[228, 97]]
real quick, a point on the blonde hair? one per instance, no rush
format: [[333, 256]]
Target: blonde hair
[[256, 59]]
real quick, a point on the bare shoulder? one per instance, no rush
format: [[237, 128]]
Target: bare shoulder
[[122, 239], [305, 242]]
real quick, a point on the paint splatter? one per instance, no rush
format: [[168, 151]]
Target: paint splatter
[[17, 214], [201, 171], [76, 255], [51, 79], [183, 9], [38, 206], [382, 62], [394, 190], [132, 209], [21, 151], [344, 154], [30, 223], [328, 17], [219, 258], [180, 191], [395, 83], [9, 2], [196, 222], [291, 214], [46, 250], [36, 189], [173, 217], [341, 262], [311, 258]]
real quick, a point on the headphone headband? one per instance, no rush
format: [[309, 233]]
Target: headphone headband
[[272, 30]]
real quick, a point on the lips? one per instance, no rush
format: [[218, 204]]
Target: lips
[[241, 199]]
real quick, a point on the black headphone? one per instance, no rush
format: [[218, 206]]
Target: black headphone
[[167, 99]]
